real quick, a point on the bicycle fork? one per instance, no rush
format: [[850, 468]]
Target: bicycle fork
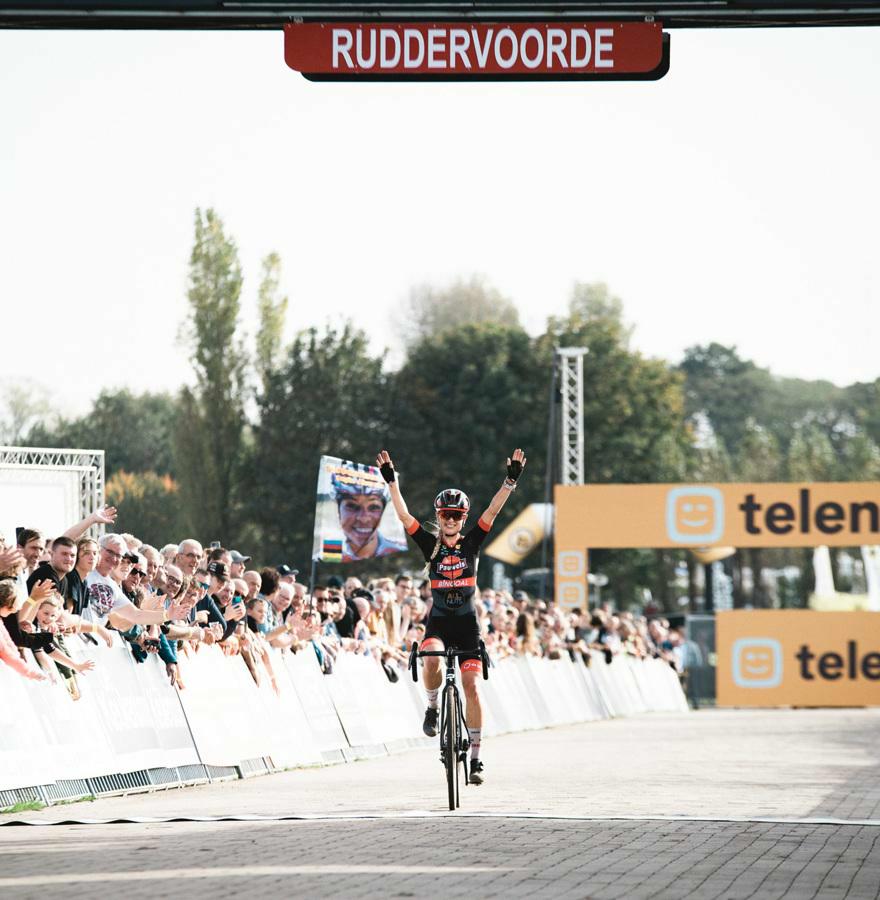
[[463, 741]]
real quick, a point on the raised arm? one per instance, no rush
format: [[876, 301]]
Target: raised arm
[[515, 465], [106, 515], [386, 467]]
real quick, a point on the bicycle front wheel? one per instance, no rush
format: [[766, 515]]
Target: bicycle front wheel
[[451, 740]]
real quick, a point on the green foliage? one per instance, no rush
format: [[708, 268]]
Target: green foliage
[[759, 457], [272, 311], [430, 311], [633, 425], [633, 407], [810, 455], [329, 397], [210, 437], [135, 431], [149, 506], [24, 806], [24, 405], [463, 401]]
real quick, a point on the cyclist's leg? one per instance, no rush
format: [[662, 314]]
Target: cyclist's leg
[[432, 677], [471, 671]]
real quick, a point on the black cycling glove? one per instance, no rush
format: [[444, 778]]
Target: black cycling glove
[[514, 469], [387, 471]]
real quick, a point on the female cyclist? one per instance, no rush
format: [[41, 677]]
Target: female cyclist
[[452, 566]]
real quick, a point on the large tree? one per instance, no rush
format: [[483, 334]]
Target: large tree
[[271, 312], [463, 401], [327, 397], [135, 431], [431, 310], [633, 425], [210, 436]]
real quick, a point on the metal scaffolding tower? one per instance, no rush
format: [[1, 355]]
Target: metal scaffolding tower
[[570, 367]]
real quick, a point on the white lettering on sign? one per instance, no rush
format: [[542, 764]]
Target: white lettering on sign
[[604, 62], [459, 40], [410, 61], [387, 61], [342, 43], [461, 48], [584, 35]]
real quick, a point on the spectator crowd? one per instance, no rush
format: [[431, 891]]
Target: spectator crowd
[[170, 601]]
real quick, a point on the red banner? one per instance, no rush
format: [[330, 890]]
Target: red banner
[[473, 49]]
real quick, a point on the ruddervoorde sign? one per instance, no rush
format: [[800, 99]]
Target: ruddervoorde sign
[[421, 50]]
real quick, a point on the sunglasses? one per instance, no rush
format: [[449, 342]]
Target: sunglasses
[[137, 573], [453, 515]]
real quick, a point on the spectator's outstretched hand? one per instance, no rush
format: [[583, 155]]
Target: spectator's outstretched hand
[[106, 516], [10, 559], [85, 666], [171, 671], [179, 610], [153, 602], [42, 590]]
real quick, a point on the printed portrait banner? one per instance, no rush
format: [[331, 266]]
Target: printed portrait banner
[[797, 657], [354, 518]]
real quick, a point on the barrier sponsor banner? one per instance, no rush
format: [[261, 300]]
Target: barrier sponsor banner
[[129, 717], [314, 695], [842, 514], [798, 658], [25, 755], [353, 518], [219, 699]]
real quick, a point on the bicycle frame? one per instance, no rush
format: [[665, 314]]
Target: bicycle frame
[[453, 726]]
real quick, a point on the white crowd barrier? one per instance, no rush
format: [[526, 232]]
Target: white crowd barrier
[[131, 730]]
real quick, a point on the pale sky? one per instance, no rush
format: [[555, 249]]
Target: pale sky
[[735, 200]]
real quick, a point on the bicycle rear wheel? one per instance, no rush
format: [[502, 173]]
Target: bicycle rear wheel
[[451, 738]]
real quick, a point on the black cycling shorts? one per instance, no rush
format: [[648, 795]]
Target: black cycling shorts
[[461, 632]]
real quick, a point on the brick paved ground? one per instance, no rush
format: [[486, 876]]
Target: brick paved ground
[[439, 856], [795, 765]]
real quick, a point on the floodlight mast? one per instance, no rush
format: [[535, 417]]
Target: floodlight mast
[[570, 362]]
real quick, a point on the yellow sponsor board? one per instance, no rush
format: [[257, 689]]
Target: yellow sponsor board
[[797, 658], [838, 514], [523, 534]]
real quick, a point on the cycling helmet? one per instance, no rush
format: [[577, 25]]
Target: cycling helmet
[[344, 485], [452, 498]]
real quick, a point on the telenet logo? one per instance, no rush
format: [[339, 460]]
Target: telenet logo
[[757, 662], [695, 514]]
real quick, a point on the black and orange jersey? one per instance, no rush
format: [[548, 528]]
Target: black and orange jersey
[[453, 571]]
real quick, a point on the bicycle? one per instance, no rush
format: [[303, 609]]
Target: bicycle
[[454, 743]]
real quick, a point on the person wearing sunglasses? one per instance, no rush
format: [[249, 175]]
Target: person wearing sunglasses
[[451, 557]]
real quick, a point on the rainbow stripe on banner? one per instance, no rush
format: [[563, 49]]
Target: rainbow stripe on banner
[[331, 551]]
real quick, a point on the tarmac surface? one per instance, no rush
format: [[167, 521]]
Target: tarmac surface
[[718, 803]]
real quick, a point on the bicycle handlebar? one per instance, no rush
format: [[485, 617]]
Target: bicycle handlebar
[[450, 654]]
